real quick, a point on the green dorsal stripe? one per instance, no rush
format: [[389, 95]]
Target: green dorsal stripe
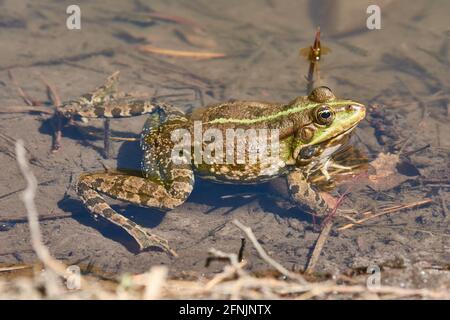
[[279, 114]]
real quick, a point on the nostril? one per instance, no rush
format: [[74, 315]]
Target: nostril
[[354, 107]]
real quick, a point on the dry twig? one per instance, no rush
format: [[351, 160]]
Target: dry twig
[[262, 253], [28, 199]]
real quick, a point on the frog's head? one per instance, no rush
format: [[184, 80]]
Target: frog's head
[[326, 119]]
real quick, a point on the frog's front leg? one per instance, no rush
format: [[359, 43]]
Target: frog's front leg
[[137, 190], [301, 192]]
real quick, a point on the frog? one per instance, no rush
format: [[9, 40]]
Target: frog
[[309, 130]]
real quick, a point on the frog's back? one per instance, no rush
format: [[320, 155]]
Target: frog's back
[[242, 113]]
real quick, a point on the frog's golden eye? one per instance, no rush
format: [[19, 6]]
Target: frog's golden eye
[[324, 115]]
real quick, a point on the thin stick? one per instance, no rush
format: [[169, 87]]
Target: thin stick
[[26, 109], [51, 92], [326, 228], [180, 53], [262, 253], [319, 246], [124, 139], [106, 138], [15, 220], [443, 203], [56, 122], [13, 268], [57, 117], [386, 211], [241, 250], [28, 100]]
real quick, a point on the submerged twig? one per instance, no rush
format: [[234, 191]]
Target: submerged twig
[[327, 224], [26, 109], [28, 100], [180, 53], [443, 203], [28, 199], [56, 122], [241, 250], [384, 212], [324, 233], [107, 138], [51, 92]]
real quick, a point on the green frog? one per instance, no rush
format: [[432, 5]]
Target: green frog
[[306, 132]]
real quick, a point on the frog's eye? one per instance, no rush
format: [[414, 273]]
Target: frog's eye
[[324, 115], [321, 95], [307, 152]]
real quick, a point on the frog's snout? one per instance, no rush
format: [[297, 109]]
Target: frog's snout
[[357, 109]]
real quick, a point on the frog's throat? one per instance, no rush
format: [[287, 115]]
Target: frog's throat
[[299, 108], [336, 137]]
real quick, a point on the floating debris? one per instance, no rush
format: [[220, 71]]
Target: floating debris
[[181, 53]]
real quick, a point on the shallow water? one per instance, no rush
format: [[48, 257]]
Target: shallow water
[[401, 71]]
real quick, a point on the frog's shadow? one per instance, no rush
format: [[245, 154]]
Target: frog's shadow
[[218, 196], [74, 132], [109, 230]]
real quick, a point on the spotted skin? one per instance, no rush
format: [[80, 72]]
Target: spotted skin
[[136, 190], [306, 147], [104, 102], [304, 195]]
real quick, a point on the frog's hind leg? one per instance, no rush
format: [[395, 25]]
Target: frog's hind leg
[[137, 190]]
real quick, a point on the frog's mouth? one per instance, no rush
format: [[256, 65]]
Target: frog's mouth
[[341, 134]]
